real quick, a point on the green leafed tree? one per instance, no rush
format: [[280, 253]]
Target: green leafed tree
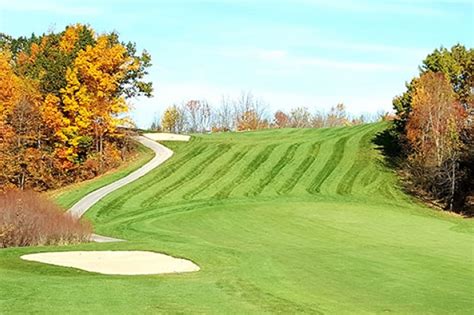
[[457, 64]]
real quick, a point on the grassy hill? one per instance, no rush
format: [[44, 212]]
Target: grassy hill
[[293, 220]]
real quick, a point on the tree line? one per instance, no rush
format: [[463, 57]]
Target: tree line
[[63, 96], [435, 129], [250, 113]]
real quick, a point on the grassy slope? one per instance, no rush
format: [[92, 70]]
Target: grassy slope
[[278, 220], [70, 194]]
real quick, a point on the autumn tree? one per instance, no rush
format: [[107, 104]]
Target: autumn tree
[[62, 97], [281, 120], [337, 116], [434, 130], [21, 132], [248, 120], [170, 121], [457, 66], [250, 112], [9, 95], [92, 103]]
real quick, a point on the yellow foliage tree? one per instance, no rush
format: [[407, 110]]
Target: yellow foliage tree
[[62, 97], [8, 86], [170, 120]]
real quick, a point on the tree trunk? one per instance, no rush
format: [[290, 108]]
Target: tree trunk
[[453, 185], [101, 147], [22, 180]]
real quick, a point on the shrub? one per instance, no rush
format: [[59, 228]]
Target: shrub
[[28, 219]]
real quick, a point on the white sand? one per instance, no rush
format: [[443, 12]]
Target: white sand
[[116, 262], [166, 137]]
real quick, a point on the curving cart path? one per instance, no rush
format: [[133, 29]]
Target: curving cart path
[[162, 154]]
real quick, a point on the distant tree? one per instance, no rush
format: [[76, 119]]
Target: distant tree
[[248, 120], [155, 124], [358, 120], [337, 116], [281, 120], [300, 117], [193, 108], [198, 113], [182, 123], [250, 112], [205, 115], [318, 120], [170, 121], [224, 118]]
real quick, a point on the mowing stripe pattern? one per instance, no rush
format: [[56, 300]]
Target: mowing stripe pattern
[[329, 167], [247, 172], [286, 158]]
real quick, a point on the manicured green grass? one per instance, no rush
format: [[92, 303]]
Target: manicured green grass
[[289, 221], [69, 195]]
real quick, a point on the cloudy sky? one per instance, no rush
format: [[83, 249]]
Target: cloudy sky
[[289, 53]]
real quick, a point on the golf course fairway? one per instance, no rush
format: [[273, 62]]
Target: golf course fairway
[[279, 221]]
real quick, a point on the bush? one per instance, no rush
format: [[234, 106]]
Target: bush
[[28, 219]]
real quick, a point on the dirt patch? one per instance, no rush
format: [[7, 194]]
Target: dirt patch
[[116, 262]]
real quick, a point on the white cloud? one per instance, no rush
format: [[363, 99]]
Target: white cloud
[[284, 58], [370, 47], [272, 54], [343, 65]]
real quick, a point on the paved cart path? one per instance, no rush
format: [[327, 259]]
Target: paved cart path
[[162, 154]]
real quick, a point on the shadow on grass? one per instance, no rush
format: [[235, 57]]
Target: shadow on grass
[[388, 144]]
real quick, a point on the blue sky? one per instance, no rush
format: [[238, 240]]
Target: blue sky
[[289, 53]]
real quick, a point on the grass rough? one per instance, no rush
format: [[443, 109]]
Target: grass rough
[[329, 232]]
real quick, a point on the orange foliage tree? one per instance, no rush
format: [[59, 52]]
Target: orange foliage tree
[[281, 120], [21, 130], [433, 131], [250, 120], [62, 97], [433, 140]]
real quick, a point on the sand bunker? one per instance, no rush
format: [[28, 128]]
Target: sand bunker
[[166, 137], [116, 262]]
